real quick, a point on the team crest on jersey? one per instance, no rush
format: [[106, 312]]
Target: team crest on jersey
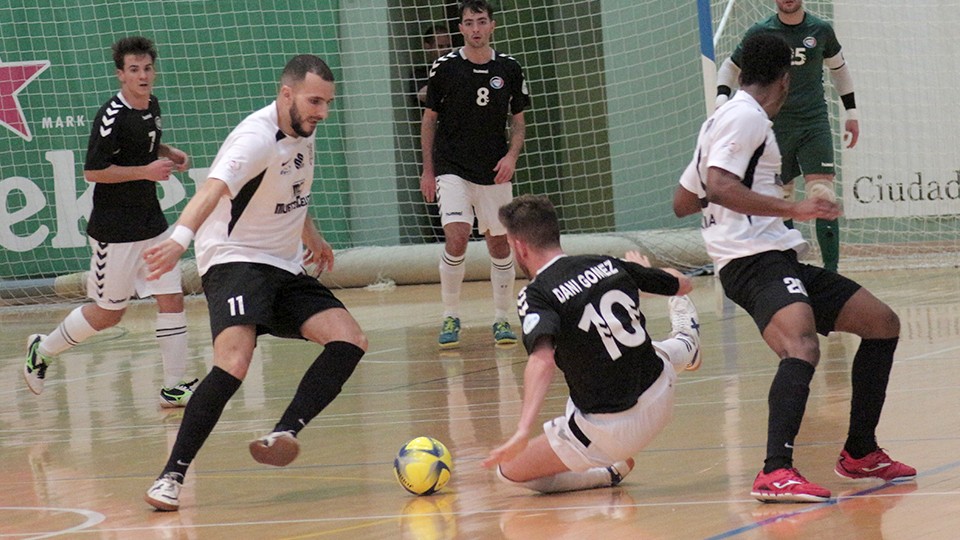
[[496, 83], [809, 42], [530, 322]]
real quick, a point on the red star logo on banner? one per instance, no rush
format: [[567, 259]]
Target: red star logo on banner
[[14, 77]]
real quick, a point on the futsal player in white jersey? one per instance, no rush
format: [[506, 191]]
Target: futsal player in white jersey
[[253, 235], [734, 180], [125, 161]]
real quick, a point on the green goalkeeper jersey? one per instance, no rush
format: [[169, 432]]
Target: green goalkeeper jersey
[[811, 41]]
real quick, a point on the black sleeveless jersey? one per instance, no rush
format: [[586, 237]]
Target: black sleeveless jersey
[[590, 305], [473, 103], [127, 137]]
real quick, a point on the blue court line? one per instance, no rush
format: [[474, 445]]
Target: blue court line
[[832, 502]]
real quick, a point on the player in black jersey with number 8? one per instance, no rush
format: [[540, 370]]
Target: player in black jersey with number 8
[[582, 314], [472, 94]]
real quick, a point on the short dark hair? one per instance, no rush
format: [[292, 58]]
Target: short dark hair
[[533, 219], [765, 58], [430, 33], [477, 6], [135, 45], [297, 68]]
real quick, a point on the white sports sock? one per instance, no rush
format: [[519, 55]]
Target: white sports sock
[[503, 274], [73, 330], [596, 477], [172, 337], [679, 351], [452, 270]]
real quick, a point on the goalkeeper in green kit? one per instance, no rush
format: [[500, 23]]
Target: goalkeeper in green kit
[[802, 127]]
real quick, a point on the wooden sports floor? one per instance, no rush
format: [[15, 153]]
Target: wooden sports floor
[[74, 462]]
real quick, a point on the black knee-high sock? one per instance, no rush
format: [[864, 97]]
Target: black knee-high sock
[[201, 415], [869, 378], [320, 384], [787, 402]]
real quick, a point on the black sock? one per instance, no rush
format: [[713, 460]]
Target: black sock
[[201, 415], [869, 378], [320, 384], [787, 401]]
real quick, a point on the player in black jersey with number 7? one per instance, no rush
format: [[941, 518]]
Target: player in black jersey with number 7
[[472, 94], [582, 314], [125, 160]]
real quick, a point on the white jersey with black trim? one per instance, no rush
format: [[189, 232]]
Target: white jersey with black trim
[[269, 176], [739, 139]]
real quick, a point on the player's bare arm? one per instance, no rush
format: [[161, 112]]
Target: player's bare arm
[[508, 163], [685, 202], [725, 188], [317, 250], [180, 159], [162, 257], [537, 377], [157, 171], [428, 133]]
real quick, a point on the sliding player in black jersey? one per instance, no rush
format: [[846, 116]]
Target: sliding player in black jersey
[[582, 314]]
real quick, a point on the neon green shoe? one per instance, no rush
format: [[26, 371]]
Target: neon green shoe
[[35, 368], [450, 333], [503, 334]]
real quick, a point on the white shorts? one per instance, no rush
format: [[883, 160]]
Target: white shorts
[[583, 441], [119, 273], [460, 200]]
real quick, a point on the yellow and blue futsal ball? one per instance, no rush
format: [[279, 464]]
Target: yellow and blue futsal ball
[[423, 466]]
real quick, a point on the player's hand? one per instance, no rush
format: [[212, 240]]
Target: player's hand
[[428, 186], [505, 169], [507, 451], [319, 254], [851, 132], [159, 170], [635, 257], [815, 208], [161, 258], [180, 159]]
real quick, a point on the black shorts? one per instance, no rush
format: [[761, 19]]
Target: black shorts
[[767, 282], [274, 300]]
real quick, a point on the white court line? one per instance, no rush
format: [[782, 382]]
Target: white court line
[[93, 519]]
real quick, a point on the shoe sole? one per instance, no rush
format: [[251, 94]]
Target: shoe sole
[[451, 345], [280, 454], [858, 478], [26, 376], [787, 497], [164, 404], [505, 341], [160, 505]]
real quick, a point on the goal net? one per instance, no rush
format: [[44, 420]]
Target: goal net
[[616, 102], [900, 185], [617, 99]]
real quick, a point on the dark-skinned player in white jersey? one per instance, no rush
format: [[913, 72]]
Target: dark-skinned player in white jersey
[[734, 180], [253, 236], [582, 314], [468, 164], [125, 160]]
